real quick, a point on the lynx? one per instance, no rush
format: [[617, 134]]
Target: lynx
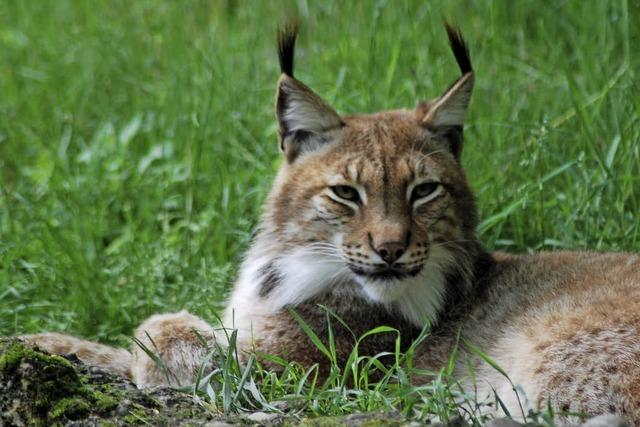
[[372, 216]]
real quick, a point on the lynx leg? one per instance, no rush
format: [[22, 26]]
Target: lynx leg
[[116, 360], [171, 337]]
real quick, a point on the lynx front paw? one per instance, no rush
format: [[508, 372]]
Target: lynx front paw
[[173, 338]]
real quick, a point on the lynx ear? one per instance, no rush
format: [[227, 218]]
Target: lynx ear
[[450, 108], [445, 115], [305, 121]]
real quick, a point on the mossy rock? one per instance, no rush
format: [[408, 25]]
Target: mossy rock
[[39, 389]]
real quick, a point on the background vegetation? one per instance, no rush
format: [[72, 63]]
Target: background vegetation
[[137, 139]]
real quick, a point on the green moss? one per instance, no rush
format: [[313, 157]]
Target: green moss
[[136, 417], [15, 353], [104, 402], [70, 408], [322, 422], [147, 401], [51, 390], [56, 390]]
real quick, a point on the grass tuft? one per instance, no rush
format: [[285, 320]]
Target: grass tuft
[[361, 383]]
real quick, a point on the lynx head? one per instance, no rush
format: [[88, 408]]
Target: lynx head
[[379, 201]]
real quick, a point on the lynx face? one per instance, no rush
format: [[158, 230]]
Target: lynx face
[[377, 201], [382, 199]]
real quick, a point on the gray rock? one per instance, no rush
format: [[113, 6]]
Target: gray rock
[[455, 422], [608, 420], [503, 422], [262, 417]]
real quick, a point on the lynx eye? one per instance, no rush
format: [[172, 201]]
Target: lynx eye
[[424, 190], [345, 192]]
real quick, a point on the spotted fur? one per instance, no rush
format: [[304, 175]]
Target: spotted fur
[[372, 216]]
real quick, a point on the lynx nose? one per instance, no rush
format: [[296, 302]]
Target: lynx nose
[[390, 251]]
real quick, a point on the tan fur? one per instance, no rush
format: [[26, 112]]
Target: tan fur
[[565, 326], [114, 359], [176, 338]]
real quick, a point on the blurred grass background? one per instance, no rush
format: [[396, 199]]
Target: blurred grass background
[[137, 139]]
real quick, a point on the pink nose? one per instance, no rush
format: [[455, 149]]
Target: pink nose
[[390, 251]]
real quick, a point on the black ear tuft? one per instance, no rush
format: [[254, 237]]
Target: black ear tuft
[[287, 35], [459, 48]]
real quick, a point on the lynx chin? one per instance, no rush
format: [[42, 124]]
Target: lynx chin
[[372, 216]]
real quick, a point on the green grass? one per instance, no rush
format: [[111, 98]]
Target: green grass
[[362, 384], [381, 383], [137, 139]]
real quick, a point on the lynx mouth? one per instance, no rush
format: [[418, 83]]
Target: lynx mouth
[[387, 273]]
